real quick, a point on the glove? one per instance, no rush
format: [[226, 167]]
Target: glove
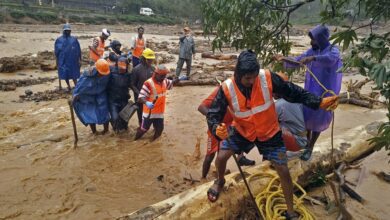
[[329, 103], [181, 78], [150, 105], [221, 131]]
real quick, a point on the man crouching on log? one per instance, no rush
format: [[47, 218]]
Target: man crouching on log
[[255, 122]]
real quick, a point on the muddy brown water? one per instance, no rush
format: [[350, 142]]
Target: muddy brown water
[[44, 177], [105, 176]]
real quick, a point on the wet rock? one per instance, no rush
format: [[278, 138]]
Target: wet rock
[[373, 127], [48, 66], [164, 58], [160, 178], [28, 92], [90, 189], [2, 39], [10, 87]]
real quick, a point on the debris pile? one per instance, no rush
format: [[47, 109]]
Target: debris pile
[[10, 85], [48, 95], [44, 60]]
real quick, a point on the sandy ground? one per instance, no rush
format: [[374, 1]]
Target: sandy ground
[[43, 177]]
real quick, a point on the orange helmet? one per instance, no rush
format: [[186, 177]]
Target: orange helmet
[[162, 70], [102, 67]]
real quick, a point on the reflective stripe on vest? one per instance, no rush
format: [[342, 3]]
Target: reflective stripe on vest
[[99, 49], [146, 115], [236, 107], [159, 105]]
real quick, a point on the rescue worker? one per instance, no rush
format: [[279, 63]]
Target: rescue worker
[[139, 75], [153, 98], [96, 51], [248, 95], [115, 52], [138, 45], [68, 57], [90, 96], [118, 93], [186, 53], [325, 62], [292, 123], [212, 142]]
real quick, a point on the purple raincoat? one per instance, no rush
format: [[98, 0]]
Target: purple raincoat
[[326, 68]]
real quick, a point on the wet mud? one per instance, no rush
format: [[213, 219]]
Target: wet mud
[[106, 176]]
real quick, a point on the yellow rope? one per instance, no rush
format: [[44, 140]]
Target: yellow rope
[[323, 94], [271, 201], [314, 76]]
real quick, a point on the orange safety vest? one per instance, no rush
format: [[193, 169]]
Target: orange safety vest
[[139, 47], [257, 119], [100, 50], [156, 90]]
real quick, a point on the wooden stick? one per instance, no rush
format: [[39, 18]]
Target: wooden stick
[[352, 193], [76, 138]]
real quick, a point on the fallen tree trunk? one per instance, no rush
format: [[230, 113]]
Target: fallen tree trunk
[[219, 56], [206, 82], [354, 99], [193, 203]]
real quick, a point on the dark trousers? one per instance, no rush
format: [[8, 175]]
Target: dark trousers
[[117, 122], [139, 110], [135, 61], [180, 64]]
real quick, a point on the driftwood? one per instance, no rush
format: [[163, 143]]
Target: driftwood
[[193, 203], [207, 82], [354, 97], [218, 56]]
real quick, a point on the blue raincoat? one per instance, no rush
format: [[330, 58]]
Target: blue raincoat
[[326, 67], [92, 105], [118, 96], [68, 54]]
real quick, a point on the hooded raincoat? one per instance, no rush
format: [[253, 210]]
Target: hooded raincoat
[[68, 54], [91, 107], [326, 67]]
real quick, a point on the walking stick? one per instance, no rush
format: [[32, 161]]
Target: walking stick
[[73, 123], [243, 176], [59, 82]]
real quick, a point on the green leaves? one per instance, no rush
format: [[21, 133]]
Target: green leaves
[[379, 75], [250, 24], [344, 37]]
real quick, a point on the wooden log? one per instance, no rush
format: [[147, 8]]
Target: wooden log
[[193, 203], [218, 56], [353, 101], [208, 82]]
